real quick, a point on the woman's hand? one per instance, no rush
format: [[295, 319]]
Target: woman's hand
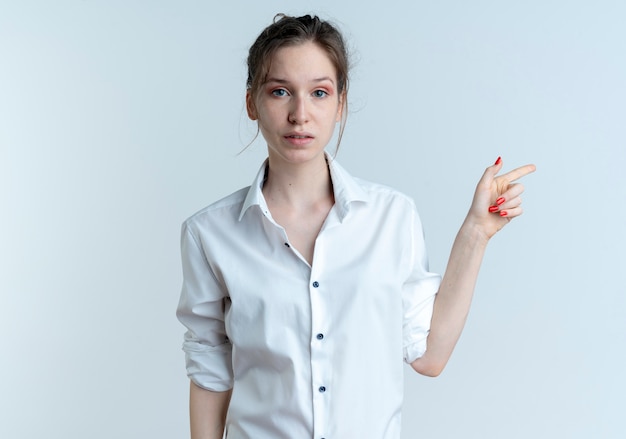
[[497, 199]]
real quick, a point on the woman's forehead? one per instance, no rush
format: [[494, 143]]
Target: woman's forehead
[[306, 61]]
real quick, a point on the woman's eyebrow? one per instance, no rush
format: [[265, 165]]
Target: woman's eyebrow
[[325, 78], [285, 81]]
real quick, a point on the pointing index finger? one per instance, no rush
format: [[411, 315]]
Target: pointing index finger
[[518, 173]]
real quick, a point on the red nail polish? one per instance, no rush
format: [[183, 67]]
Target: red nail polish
[[500, 201], [503, 213], [493, 209], [498, 161]]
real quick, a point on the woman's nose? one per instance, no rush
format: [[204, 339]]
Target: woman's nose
[[298, 114]]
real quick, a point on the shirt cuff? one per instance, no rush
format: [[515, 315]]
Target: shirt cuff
[[414, 351], [209, 367]]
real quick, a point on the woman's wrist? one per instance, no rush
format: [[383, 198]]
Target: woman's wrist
[[472, 233]]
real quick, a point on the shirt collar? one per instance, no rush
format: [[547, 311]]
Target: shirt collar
[[345, 187]]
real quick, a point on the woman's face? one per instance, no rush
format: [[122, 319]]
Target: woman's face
[[299, 105]]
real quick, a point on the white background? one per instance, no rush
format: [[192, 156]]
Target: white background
[[118, 119]]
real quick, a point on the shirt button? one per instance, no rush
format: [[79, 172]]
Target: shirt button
[[322, 389], [320, 336], [316, 284]]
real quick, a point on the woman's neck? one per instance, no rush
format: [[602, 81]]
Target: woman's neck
[[298, 185]]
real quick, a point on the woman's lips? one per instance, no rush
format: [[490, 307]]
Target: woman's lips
[[299, 139]]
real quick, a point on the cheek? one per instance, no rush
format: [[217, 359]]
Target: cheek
[[268, 112], [268, 122], [266, 119]]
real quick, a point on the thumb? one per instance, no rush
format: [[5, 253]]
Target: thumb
[[491, 172]]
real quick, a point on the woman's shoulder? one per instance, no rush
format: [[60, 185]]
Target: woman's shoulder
[[386, 194], [369, 190], [224, 208]]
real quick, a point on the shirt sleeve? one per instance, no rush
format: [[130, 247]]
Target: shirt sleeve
[[418, 294], [208, 352]]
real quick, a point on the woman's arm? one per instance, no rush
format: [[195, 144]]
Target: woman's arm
[[496, 201], [207, 412]]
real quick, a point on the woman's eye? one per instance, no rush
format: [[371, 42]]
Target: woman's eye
[[319, 93], [279, 92]]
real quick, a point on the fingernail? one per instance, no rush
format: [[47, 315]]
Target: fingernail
[[498, 161], [493, 209], [500, 201], [503, 213]]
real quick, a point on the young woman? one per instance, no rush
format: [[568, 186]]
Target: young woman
[[303, 293]]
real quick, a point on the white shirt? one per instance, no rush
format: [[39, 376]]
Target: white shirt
[[311, 351]]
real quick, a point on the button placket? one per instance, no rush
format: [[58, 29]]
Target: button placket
[[320, 367], [321, 341]]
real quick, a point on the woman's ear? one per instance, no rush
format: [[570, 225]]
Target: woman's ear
[[342, 106], [250, 106]]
